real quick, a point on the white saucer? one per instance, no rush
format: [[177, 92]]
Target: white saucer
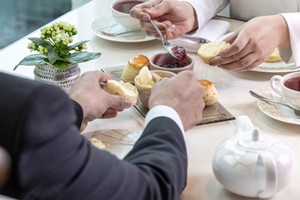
[[108, 24], [276, 111], [270, 67]]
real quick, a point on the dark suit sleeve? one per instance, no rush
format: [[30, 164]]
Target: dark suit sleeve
[[79, 113], [58, 163]]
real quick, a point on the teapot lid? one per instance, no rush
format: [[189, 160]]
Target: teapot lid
[[254, 141]]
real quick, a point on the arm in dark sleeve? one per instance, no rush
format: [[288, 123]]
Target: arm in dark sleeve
[[58, 163], [79, 113]]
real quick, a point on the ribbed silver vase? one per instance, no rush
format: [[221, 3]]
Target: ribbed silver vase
[[61, 78]]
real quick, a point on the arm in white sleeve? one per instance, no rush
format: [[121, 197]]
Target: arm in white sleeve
[[292, 20], [206, 9], [164, 111]]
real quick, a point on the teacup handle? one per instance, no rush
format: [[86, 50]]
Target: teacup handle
[[269, 173], [275, 84]]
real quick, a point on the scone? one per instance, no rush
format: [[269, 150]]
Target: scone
[[123, 89], [133, 67], [274, 57], [210, 50], [210, 95]]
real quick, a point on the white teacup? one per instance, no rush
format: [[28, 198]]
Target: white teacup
[[288, 87], [120, 11]]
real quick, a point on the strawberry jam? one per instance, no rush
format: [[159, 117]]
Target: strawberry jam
[[181, 58]]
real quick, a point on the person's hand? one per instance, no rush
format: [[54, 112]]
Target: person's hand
[[95, 102], [183, 93], [173, 18], [253, 43]]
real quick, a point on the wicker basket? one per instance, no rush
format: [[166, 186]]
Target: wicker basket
[[61, 78]]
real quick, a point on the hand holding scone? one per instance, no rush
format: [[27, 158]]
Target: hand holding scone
[[123, 89], [95, 102], [252, 44], [210, 50]]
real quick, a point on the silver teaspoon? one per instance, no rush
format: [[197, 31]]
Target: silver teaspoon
[[267, 100], [165, 42]]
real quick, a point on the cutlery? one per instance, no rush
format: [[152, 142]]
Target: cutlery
[[120, 33], [267, 100], [165, 42]]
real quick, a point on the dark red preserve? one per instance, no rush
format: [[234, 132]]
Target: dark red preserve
[[181, 58]]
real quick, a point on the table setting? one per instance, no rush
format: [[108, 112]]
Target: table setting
[[256, 106], [96, 23]]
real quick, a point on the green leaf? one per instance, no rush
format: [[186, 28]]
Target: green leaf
[[60, 65], [83, 56], [52, 54], [32, 60], [77, 44], [40, 42]]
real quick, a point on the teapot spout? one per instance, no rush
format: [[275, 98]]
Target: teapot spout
[[243, 124]]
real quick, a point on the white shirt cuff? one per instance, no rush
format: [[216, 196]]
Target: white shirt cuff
[[292, 20], [164, 111]]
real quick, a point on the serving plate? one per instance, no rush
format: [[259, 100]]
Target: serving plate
[[276, 111], [108, 24], [211, 114]]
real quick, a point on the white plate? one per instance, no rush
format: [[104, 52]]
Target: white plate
[[117, 141], [108, 24], [276, 111], [270, 67], [276, 67]]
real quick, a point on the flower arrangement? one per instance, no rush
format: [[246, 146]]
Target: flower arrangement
[[55, 49]]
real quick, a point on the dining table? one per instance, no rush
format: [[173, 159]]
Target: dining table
[[202, 140]]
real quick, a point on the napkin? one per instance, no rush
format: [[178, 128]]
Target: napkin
[[210, 32]]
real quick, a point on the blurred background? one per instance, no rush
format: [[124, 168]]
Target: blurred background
[[20, 17]]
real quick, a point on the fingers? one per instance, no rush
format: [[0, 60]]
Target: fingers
[[159, 9], [117, 103], [236, 48], [238, 56], [230, 39], [109, 113], [96, 75], [244, 64], [150, 30], [242, 55], [141, 11]]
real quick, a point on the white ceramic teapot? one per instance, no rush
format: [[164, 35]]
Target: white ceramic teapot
[[251, 164]]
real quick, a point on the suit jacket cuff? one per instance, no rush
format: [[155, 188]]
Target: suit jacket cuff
[[79, 113]]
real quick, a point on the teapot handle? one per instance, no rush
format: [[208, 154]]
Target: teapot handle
[[243, 124], [269, 175]]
